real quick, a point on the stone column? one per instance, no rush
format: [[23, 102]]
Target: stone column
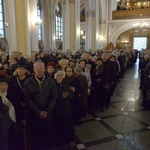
[[52, 32], [90, 31], [66, 25], [21, 23], [12, 31], [46, 24], [77, 25], [22, 33], [97, 24], [31, 28], [74, 25]]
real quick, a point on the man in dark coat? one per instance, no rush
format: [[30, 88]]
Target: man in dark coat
[[83, 83], [40, 95], [111, 74]]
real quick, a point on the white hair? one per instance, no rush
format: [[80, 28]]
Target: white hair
[[60, 71]]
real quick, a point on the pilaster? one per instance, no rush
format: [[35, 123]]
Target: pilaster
[[21, 26], [12, 29], [52, 31], [66, 25], [72, 24], [90, 30]]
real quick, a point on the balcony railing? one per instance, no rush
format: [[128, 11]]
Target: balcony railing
[[131, 14]]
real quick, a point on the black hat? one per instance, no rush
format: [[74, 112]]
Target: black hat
[[3, 78], [22, 66]]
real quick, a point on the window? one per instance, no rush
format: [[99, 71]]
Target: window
[[59, 26], [2, 31], [39, 17]]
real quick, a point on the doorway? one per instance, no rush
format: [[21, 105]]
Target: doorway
[[139, 43]]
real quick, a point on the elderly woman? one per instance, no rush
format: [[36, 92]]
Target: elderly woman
[[16, 93], [51, 69], [16, 85], [83, 83], [63, 63], [74, 93], [64, 125], [7, 112]]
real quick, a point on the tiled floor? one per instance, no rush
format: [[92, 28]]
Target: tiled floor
[[124, 126]]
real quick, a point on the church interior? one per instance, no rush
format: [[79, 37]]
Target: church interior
[[68, 27]]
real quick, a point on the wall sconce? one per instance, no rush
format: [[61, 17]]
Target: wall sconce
[[81, 32], [83, 37], [6, 24], [100, 38], [38, 22]]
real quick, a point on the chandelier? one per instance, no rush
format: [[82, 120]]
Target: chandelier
[[141, 27]]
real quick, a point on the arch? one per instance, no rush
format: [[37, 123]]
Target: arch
[[119, 31], [55, 4]]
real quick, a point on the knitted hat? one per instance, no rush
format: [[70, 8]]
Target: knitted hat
[[79, 68], [51, 64]]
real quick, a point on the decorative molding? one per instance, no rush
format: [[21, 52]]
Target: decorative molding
[[113, 26]]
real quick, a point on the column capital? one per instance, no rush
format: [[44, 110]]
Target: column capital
[[90, 13], [65, 2], [71, 1]]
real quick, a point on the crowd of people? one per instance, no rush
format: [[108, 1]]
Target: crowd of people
[[43, 98], [144, 69]]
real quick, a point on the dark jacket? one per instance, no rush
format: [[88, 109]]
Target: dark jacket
[[83, 92], [73, 82], [40, 98], [102, 75], [4, 111], [4, 133], [63, 104], [16, 96], [110, 71]]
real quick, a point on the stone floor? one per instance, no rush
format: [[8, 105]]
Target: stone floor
[[124, 126]]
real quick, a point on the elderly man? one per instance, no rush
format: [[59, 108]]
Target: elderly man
[[40, 95]]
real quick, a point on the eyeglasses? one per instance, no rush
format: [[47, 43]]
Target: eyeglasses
[[68, 70], [38, 67]]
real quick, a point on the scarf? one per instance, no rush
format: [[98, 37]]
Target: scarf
[[5, 101]]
